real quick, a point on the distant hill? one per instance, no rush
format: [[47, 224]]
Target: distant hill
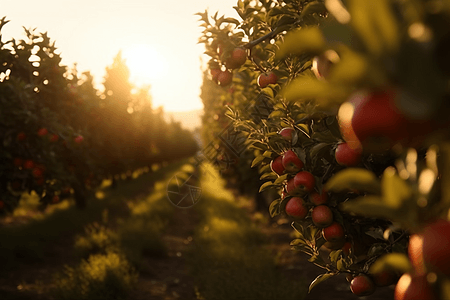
[[188, 119]]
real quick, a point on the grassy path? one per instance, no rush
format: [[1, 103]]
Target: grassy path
[[134, 244]]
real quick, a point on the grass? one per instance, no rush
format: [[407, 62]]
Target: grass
[[229, 260]]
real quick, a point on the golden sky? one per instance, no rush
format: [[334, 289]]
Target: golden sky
[[162, 34]]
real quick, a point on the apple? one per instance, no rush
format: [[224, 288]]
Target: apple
[[362, 285], [333, 233], [415, 253], [322, 216], [384, 278], [414, 287], [215, 74], [267, 78], [28, 164], [291, 189], [54, 138], [42, 132], [2, 204], [347, 156], [276, 165], [436, 247], [318, 199], [21, 136], [287, 133], [224, 78], [37, 172], [346, 248], [55, 199], [304, 181], [376, 120], [78, 139], [296, 208], [291, 162], [237, 58]]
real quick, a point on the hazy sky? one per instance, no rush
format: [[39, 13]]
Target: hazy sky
[[90, 33]]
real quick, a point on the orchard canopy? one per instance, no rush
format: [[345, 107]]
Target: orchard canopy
[[340, 109]]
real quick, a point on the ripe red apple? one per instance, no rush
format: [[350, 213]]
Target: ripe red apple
[[377, 121], [414, 287], [28, 164], [54, 138], [276, 165], [385, 278], [291, 188], [78, 139], [224, 78], [42, 132], [304, 181], [318, 199], [333, 233], [287, 133], [322, 216], [362, 285], [436, 247], [215, 74], [37, 172], [296, 208], [237, 58], [415, 253], [347, 156], [267, 78], [21, 136], [291, 162]]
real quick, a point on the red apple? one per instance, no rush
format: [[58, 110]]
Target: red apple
[[267, 78], [237, 58], [296, 208], [362, 285], [436, 247], [276, 165], [37, 172], [304, 181], [54, 138], [333, 233], [347, 156], [322, 216], [55, 199], [224, 78], [21, 136], [28, 164], [318, 199], [291, 188], [346, 248], [414, 287], [377, 121], [291, 162], [78, 139], [42, 132], [287, 133], [215, 74]]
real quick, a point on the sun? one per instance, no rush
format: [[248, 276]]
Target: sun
[[145, 62]]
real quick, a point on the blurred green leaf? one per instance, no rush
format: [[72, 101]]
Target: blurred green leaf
[[370, 206], [391, 261], [395, 191], [300, 41], [354, 178]]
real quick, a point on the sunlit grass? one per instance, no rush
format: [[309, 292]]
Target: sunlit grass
[[230, 260], [101, 276]]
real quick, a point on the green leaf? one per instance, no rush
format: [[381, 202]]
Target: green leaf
[[319, 279], [297, 242], [277, 114], [334, 255], [395, 190], [231, 20], [391, 261], [301, 41], [313, 7], [280, 179], [354, 178], [257, 160], [370, 206], [268, 154], [265, 185], [274, 208]]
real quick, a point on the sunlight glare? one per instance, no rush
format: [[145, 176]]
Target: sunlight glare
[[146, 64]]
